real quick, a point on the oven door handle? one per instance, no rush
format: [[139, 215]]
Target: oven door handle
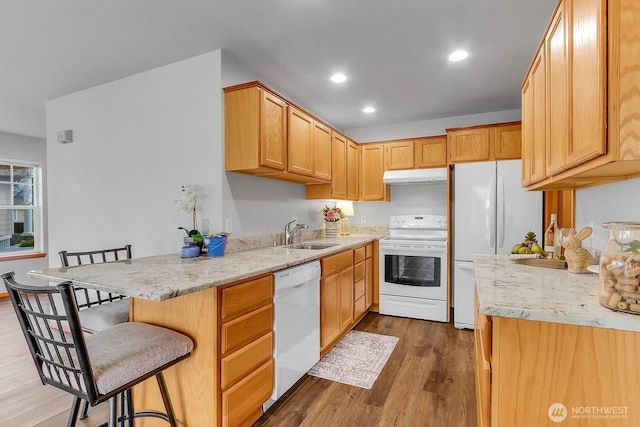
[[406, 250]]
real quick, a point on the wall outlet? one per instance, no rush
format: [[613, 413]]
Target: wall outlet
[[228, 225], [363, 219], [205, 226]]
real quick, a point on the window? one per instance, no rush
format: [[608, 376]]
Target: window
[[20, 207]]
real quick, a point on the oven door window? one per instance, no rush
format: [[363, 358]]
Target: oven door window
[[412, 270]]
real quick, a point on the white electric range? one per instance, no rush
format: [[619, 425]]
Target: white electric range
[[413, 268]]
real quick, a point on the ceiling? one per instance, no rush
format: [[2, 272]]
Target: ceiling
[[393, 52]]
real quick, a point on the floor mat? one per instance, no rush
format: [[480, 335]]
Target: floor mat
[[357, 359]]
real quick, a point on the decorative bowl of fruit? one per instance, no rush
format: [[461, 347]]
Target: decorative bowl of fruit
[[529, 248]]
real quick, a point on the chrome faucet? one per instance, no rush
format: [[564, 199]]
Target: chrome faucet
[[288, 233]]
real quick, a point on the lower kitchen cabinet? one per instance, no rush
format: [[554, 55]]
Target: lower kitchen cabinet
[[532, 373], [229, 374], [346, 289]]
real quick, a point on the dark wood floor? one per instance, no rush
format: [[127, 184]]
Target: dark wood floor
[[428, 381]]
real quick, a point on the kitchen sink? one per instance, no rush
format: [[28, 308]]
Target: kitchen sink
[[313, 246]]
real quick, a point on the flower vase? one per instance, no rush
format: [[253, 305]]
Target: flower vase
[[331, 230]]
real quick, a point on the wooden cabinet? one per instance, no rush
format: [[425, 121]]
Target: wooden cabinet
[[229, 374], [345, 171], [371, 171], [336, 297], [431, 152], [353, 170], [363, 281], [268, 136], [255, 131], [246, 356], [300, 142], [481, 143], [321, 151], [399, 155], [522, 367], [591, 55], [534, 125]]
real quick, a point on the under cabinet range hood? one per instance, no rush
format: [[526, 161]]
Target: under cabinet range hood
[[416, 176]]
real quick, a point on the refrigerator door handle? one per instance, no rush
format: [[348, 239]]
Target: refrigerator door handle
[[501, 208], [491, 211]]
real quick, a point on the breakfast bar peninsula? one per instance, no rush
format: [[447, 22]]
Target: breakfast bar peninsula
[[225, 304]]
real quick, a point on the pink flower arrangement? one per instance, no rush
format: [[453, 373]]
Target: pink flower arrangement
[[333, 214]]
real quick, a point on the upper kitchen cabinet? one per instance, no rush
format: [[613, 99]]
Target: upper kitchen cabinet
[[371, 171], [399, 155], [353, 170], [322, 151], [591, 60], [481, 143], [267, 136], [431, 152], [534, 125], [337, 189]]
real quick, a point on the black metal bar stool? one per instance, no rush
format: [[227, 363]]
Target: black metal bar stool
[[99, 367]]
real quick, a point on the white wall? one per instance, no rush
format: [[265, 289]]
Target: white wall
[[605, 203], [429, 127], [25, 148], [137, 140]]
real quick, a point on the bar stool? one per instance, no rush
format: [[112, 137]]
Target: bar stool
[[100, 367]]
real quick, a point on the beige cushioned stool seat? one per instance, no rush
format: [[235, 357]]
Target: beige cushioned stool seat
[[125, 352]]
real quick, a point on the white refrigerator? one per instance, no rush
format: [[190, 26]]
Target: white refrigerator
[[492, 212]]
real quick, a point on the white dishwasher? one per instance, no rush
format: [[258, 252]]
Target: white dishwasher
[[296, 325]]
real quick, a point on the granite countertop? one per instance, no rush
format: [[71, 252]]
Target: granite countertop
[[507, 289], [161, 277]]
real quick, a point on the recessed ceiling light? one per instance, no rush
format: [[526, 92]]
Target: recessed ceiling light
[[368, 109], [458, 55], [338, 78]]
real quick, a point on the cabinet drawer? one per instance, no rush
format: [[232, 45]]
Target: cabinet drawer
[[358, 271], [244, 329], [368, 250], [337, 262], [243, 399], [359, 254], [246, 359], [238, 299], [359, 307], [358, 288]]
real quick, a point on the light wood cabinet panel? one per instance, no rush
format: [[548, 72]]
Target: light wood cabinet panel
[[242, 402], [242, 298], [399, 155], [359, 271], [339, 166], [353, 170], [468, 145], [359, 288], [431, 152], [240, 363], [346, 298], [245, 329], [534, 125], [557, 48], [359, 307], [507, 141], [587, 80], [482, 354], [273, 137], [300, 142], [372, 169], [330, 324], [359, 254], [334, 263], [321, 151], [368, 278]]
